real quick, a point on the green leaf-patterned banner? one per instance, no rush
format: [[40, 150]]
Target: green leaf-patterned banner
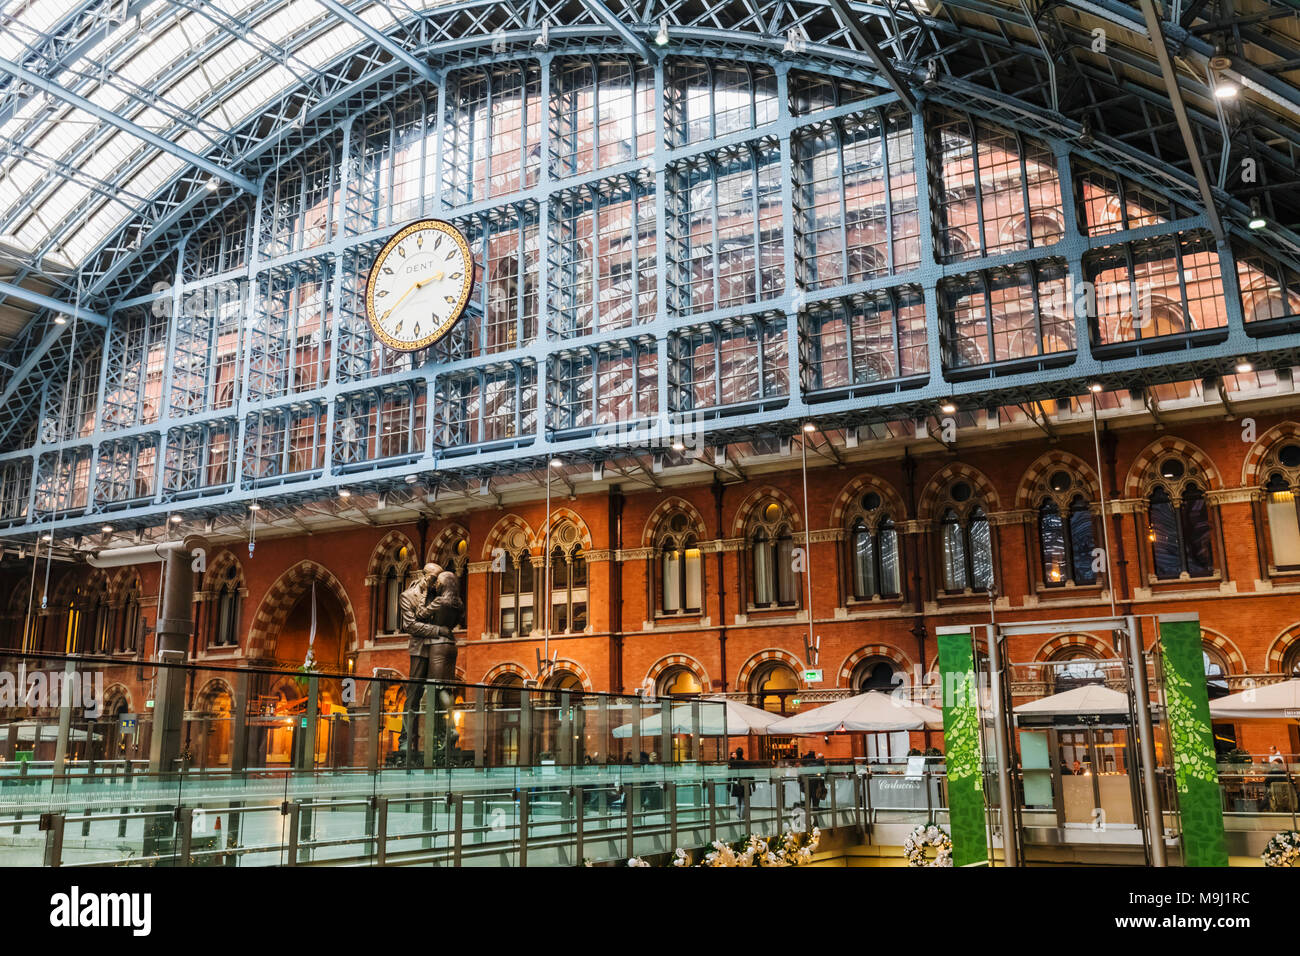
[[1193, 744], [961, 740]]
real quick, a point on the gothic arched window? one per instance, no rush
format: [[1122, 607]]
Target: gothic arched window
[[568, 581], [1066, 532], [771, 546], [1281, 504], [1178, 522], [965, 544], [225, 629], [680, 577], [873, 549]]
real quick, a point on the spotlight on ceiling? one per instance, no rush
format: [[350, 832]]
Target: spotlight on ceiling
[[107, 529], [1244, 366], [930, 79], [345, 493], [556, 463], [661, 38], [1085, 137], [176, 519], [809, 427], [679, 445], [544, 38], [47, 537], [254, 507], [60, 320], [1224, 88], [1094, 387], [1257, 220], [212, 184], [948, 407]]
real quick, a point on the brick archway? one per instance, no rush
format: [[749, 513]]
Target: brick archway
[[1250, 476], [748, 669], [746, 510], [947, 475], [1169, 445], [1055, 460], [855, 489], [503, 530], [851, 662], [1229, 651], [386, 552], [677, 660], [497, 671], [1278, 649], [574, 668], [666, 509], [283, 595], [445, 538]]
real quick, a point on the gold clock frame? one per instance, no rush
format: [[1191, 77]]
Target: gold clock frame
[[458, 309]]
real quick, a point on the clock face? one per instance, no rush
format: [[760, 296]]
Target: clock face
[[419, 285]]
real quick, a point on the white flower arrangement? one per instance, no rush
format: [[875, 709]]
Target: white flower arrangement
[[1282, 850], [787, 849], [928, 836]]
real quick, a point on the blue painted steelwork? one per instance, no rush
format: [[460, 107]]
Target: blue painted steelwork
[[299, 399]]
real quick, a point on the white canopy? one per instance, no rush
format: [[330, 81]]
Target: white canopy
[[1081, 701], [742, 719], [1270, 701], [874, 711]]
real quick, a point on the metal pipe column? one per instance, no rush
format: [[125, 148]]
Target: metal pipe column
[[1001, 736], [1146, 743]]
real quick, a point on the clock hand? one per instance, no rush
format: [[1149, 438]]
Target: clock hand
[[393, 308]]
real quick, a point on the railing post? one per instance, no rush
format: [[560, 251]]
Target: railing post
[[525, 729], [375, 721], [629, 811], [602, 748], [291, 809], [565, 750], [695, 729], [52, 824], [711, 802], [579, 802], [830, 792], [65, 724], [430, 721], [480, 727], [185, 834], [670, 795], [523, 826], [381, 830], [458, 828]]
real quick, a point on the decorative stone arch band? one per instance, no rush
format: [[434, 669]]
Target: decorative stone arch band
[[280, 599], [498, 671], [875, 650], [751, 666], [1169, 445], [1250, 468], [659, 667], [665, 510]]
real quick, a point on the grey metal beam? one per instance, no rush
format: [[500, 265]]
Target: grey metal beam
[[1156, 29], [10, 291], [611, 20], [380, 39], [863, 39], [108, 116]]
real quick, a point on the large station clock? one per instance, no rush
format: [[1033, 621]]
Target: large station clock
[[419, 285]]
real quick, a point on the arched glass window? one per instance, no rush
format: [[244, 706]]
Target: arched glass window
[[1080, 668], [773, 688], [678, 682], [568, 581], [1282, 506], [516, 617], [680, 567], [875, 673], [873, 550], [775, 583], [966, 546], [1216, 672], [1178, 524], [1066, 535], [1291, 661], [226, 631]]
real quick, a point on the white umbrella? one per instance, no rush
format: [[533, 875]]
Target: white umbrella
[[1279, 701], [1081, 701], [872, 712], [742, 719]]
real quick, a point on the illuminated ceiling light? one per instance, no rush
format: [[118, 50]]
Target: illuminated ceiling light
[[107, 529], [344, 493], [60, 320], [255, 507], [1257, 220], [212, 184], [679, 445], [47, 537], [544, 38], [411, 479], [809, 427], [948, 407], [556, 463], [177, 519], [1094, 387], [661, 38], [1225, 89], [1244, 367]]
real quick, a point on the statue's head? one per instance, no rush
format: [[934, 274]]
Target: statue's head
[[431, 572], [448, 584]]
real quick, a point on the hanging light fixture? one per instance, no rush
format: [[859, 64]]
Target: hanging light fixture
[[661, 38], [1257, 220]]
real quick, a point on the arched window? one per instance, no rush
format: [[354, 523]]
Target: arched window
[[678, 682], [680, 575], [1178, 523], [1216, 672], [1079, 669], [1066, 532], [394, 577], [966, 546], [568, 581], [225, 629], [1291, 661], [515, 607], [775, 583], [1282, 506], [128, 634], [873, 550], [875, 673], [774, 687]]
